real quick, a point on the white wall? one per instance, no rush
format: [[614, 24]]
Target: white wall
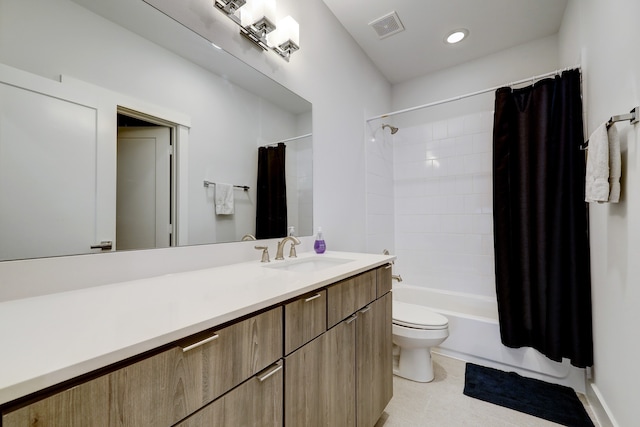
[[603, 34], [330, 71]]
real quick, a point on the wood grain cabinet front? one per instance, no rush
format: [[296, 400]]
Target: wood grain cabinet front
[[374, 355], [344, 377], [350, 295], [320, 380], [384, 279], [304, 319], [163, 389], [257, 402]]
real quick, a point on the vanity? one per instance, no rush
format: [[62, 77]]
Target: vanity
[[300, 342]]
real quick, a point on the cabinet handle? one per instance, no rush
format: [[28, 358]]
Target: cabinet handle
[[271, 372], [364, 310], [316, 296], [352, 318], [388, 266], [199, 343]]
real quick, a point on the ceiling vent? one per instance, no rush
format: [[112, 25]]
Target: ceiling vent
[[387, 25]]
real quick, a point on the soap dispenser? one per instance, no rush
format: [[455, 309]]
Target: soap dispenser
[[319, 245]]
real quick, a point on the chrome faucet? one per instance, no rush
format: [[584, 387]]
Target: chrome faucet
[[396, 277], [292, 254], [248, 237]]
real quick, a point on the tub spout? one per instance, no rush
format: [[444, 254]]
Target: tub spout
[[396, 277]]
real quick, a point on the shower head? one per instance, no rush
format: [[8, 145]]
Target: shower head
[[393, 129]]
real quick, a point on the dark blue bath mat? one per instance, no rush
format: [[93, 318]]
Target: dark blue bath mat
[[552, 402]]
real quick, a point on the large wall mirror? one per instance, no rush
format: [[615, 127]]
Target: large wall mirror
[[139, 140]]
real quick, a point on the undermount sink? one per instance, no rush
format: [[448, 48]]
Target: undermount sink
[[308, 265]]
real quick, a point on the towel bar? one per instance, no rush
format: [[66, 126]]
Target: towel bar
[[633, 117], [244, 187]]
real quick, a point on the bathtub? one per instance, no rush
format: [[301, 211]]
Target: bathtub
[[474, 336]]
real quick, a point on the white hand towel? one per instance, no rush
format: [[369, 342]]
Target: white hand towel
[[224, 199], [615, 169], [597, 173]]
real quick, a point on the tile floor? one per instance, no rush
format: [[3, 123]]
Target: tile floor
[[441, 403]]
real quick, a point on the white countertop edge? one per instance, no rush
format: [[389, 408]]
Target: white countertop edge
[[305, 283]]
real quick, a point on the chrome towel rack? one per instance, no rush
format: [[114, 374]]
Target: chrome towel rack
[[633, 117], [244, 187]]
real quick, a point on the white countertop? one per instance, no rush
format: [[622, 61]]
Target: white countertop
[[52, 338]]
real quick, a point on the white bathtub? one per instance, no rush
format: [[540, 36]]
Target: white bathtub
[[474, 336]]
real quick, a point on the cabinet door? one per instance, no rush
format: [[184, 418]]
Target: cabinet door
[[384, 279], [340, 365], [304, 319], [346, 297], [320, 380], [257, 402], [374, 361]]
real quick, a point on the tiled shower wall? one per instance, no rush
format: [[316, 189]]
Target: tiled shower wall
[[443, 220]]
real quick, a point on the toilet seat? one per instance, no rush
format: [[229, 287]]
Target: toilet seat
[[417, 316]]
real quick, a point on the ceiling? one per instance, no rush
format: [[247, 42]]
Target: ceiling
[[493, 25]]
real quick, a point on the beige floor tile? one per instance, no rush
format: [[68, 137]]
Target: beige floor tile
[[441, 403]]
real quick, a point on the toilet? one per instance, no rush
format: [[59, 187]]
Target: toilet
[[415, 330]]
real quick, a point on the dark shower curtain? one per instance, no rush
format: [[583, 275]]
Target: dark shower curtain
[[271, 200], [540, 220]]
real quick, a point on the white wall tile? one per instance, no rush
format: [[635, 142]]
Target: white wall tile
[[443, 206], [440, 129]]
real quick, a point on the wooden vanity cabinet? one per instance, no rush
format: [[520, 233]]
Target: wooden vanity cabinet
[[163, 389], [337, 370], [344, 377]]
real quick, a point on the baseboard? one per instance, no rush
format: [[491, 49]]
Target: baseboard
[[599, 407]]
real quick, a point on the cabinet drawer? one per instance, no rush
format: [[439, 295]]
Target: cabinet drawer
[[257, 402], [304, 319], [384, 279], [348, 296], [163, 389]]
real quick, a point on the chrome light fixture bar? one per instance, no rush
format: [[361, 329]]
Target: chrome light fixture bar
[[256, 22], [229, 6]]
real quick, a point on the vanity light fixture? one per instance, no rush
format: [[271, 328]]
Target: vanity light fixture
[[456, 36], [229, 6], [257, 23]]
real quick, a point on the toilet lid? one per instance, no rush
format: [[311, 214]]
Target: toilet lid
[[417, 316]]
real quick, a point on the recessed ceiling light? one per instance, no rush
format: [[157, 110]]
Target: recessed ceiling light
[[457, 36]]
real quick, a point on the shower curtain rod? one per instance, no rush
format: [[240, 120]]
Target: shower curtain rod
[[468, 95], [287, 140]]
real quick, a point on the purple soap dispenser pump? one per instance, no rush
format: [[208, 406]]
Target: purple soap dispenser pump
[[319, 245]]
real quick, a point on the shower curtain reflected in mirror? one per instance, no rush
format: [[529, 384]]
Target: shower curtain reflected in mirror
[[271, 199], [542, 265]]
